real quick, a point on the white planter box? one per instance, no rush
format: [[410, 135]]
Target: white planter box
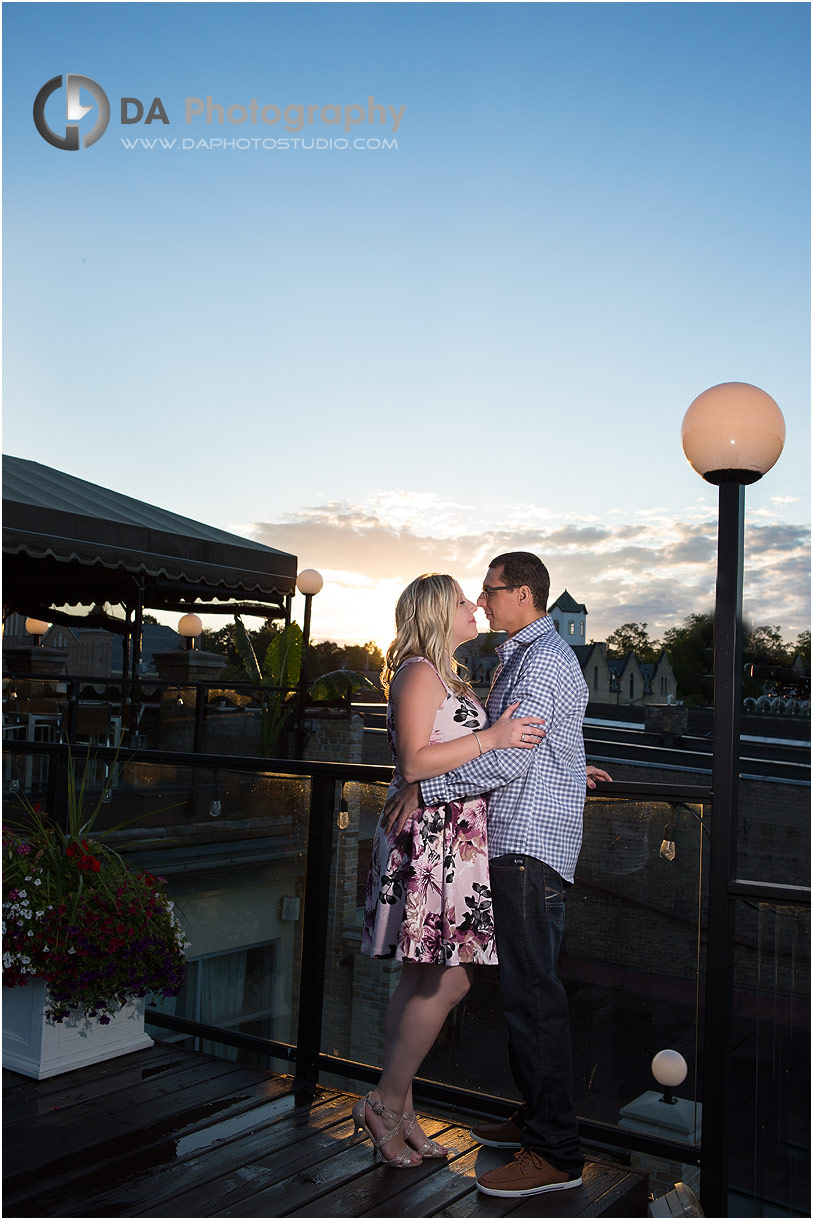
[[35, 1047]]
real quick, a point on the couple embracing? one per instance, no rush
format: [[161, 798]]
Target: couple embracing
[[474, 852]]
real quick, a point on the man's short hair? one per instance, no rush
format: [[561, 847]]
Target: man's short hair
[[523, 568]]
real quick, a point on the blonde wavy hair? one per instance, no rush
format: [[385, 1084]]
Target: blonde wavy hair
[[424, 617]]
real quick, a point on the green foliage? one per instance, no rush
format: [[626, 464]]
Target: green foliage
[[324, 657], [327, 656], [487, 642], [690, 649], [340, 682], [633, 637], [803, 648], [363, 656], [283, 657], [281, 668], [245, 652], [765, 646]]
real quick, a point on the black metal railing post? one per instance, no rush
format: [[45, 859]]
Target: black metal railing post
[[199, 735], [723, 853], [315, 917], [71, 711]]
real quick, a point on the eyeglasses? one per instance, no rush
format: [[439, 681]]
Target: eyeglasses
[[488, 590]]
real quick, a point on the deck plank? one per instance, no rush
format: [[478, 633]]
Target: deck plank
[[199, 1170], [165, 1104], [370, 1191], [168, 1132], [23, 1095], [300, 1141], [159, 1170]]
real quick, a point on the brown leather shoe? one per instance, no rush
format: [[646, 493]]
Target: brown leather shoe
[[528, 1174], [499, 1135]]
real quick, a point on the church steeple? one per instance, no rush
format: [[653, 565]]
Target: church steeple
[[569, 618]]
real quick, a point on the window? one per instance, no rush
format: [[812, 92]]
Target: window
[[663, 686], [571, 628], [595, 677], [581, 628], [233, 990], [632, 686]]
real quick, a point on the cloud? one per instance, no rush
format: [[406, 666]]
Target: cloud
[[652, 569]]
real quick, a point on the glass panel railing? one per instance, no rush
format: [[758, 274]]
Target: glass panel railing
[[769, 1112], [773, 831], [150, 714], [630, 963], [232, 846], [631, 958], [357, 990]]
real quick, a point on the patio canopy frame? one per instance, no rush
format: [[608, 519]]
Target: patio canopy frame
[[70, 543]]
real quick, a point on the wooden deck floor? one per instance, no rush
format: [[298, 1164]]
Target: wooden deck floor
[[166, 1132]]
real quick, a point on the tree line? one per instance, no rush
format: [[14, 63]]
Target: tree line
[[323, 658], [690, 648]]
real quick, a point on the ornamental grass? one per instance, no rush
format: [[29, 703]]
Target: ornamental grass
[[76, 915]]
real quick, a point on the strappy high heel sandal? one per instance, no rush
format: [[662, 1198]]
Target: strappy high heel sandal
[[431, 1149], [403, 1160]]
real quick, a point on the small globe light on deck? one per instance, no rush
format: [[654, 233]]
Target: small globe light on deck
[[733, 433], [669, 1069], [674, 1117], [309, 582], [189, 628]]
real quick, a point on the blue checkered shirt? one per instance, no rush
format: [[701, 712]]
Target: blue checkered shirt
[[536, 797]]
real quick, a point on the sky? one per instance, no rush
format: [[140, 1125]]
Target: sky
[[397, 287]]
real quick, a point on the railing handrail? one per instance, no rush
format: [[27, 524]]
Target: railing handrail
[[145, 680], [359, 772]]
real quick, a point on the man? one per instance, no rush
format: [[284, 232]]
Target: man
[[535, 811]]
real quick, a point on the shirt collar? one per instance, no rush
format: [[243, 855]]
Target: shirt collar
[[539, 627]]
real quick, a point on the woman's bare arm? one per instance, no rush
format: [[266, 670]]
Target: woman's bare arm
[[416, 694]]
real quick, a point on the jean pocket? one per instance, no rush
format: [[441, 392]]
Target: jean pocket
[[510, 862]]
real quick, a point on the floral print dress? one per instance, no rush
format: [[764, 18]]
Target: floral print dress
[[428, 897]]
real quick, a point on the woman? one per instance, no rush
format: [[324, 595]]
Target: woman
[[428, 901]]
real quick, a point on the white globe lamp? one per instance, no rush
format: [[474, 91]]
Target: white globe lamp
[[189, 628], [733, 433], [670, 1070], [37, 628], [309, 582]]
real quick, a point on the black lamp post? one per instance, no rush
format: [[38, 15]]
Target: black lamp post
[[732, 435], [309, 582]]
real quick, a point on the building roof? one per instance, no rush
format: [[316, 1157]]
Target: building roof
[[67, 541], [584, 652], [568, 605]]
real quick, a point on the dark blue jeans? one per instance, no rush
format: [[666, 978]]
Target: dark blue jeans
[[529, 916]]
